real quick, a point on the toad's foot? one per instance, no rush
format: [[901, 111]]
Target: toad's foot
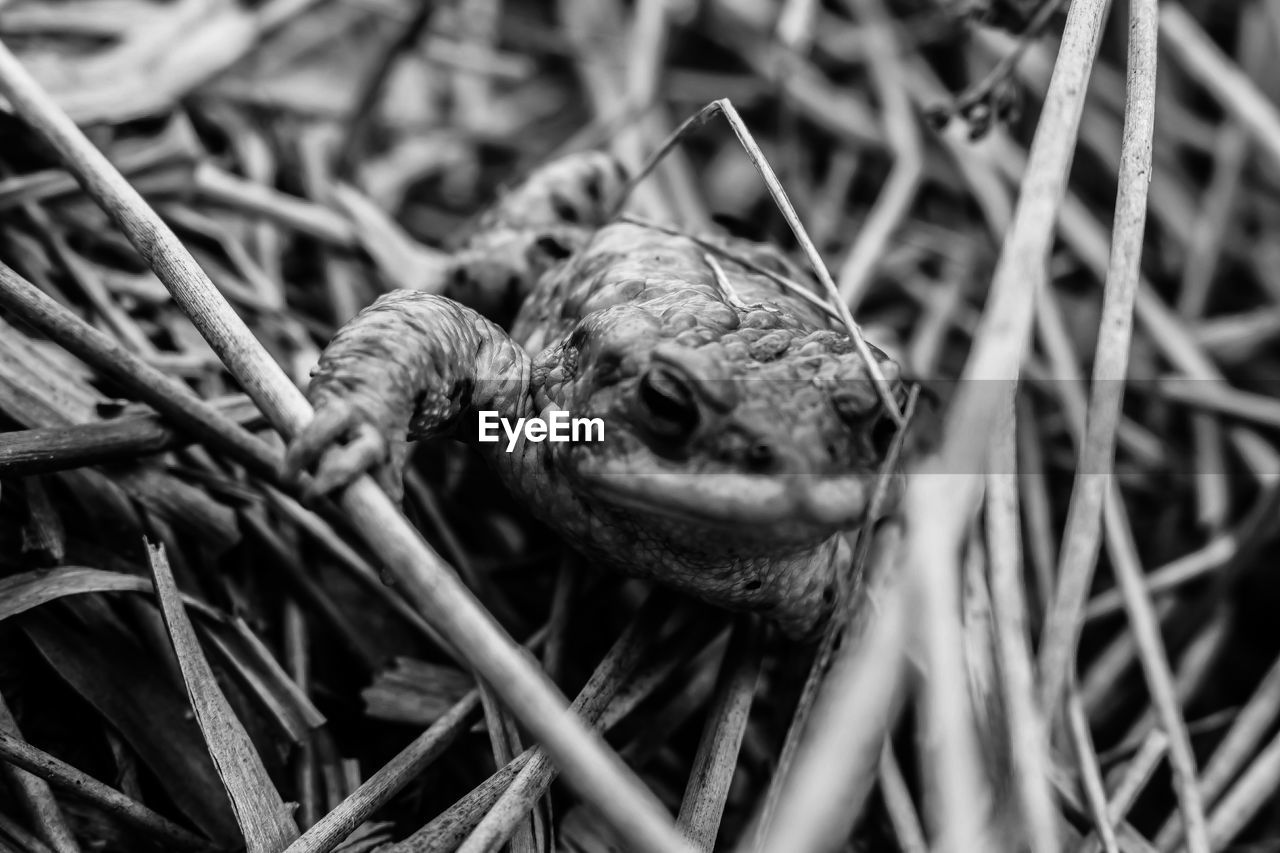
[[408, 366], [340, 444]]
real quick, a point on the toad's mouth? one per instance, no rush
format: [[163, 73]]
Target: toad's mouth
[[733, 499]]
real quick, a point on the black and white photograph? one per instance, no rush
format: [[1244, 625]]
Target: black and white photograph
[[639, 426]]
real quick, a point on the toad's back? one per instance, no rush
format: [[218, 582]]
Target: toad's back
[[673, 278]]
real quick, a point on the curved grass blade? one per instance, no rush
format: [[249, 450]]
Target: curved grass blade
[[264, 818]]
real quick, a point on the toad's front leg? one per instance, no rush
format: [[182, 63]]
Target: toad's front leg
[[408, 366]]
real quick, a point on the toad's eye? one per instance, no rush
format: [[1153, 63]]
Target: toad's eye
[[668, 404]]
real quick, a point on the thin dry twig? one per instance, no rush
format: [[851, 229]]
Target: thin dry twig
[[1136, 775], [717, 756], [899, 805], [537, 770], [366, 102], [305, 217], [1028, 739], [332, 829], [46, 767], [983, 92], [176, 400], [1211, 557], [1095, 793], [305, 767], [33, 791], [1221, 77], [1246, 798], [902, 133], [1155, 666], [1238, 745]]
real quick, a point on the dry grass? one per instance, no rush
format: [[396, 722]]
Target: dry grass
[[1062, 640]]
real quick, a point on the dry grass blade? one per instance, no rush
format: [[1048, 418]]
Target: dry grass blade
[[130, 692], [127, 810], [622, 93], [504, 742], [594, 700], [404, 263], [304, 216], [1146, 641], [91, 284], [264, 819], [1082, 538], [171, 153], [1185, 569], [1222, 399], [20, 593], [450, 828], [33, 792], [1155, 666], [1221, 77], [903, 134], [360, 569], [190, 56], [613, 692], [1254, 790], [332, 829], [1135, 776], [1240, 743], [352, 638], [1095, 794], [899, 805], [958, 801], [819, 800], [371, 90], [1087, 238], [25, 842], [1028, 738], [174, 399], [305, 764], [717, 755], [39, 451], [597, 774]]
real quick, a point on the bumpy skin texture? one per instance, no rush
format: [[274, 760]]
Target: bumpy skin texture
[[742, 433]]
